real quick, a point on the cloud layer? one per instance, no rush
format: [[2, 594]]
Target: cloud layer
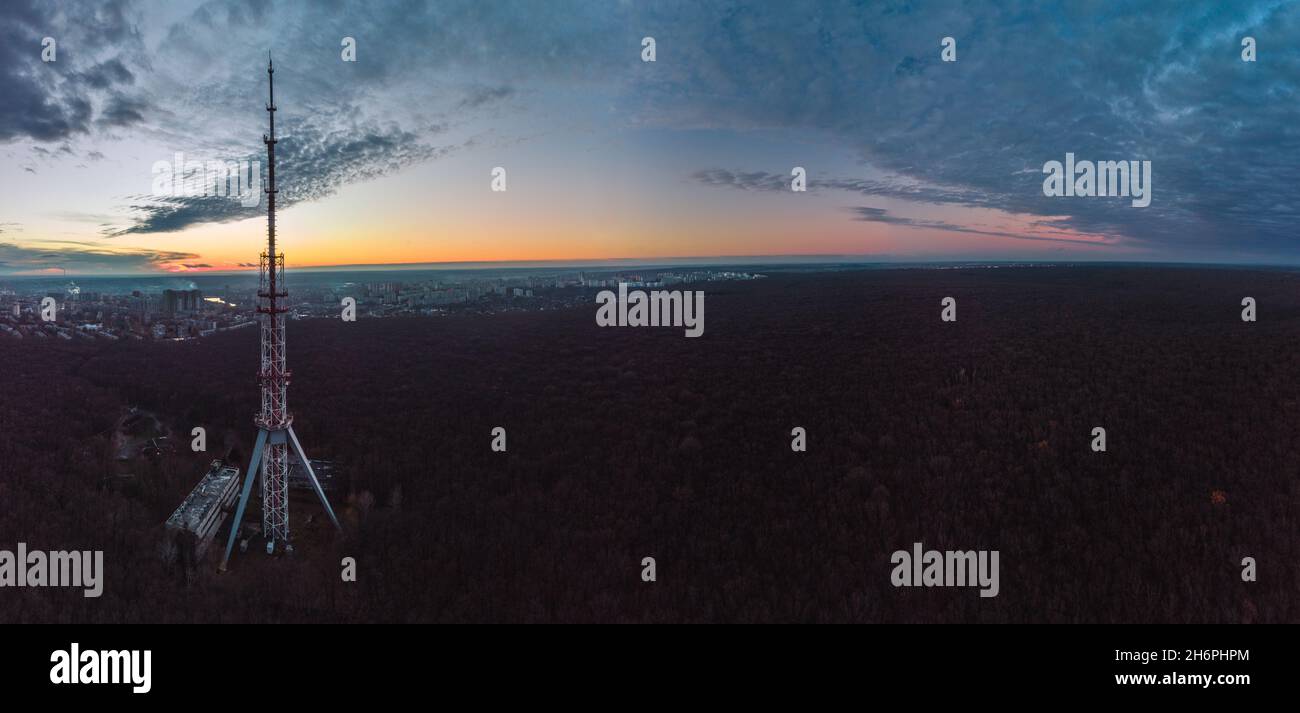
[[88, 82], [84, 257], [1162, 81], [1159, 81]]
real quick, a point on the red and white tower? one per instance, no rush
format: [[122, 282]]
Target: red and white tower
[[275, 436]]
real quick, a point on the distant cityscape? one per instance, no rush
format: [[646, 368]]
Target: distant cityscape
[[178, 308]]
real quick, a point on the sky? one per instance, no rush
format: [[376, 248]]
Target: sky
[[390, 158]]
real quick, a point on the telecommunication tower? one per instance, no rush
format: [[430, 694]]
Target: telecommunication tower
[[275, 434]]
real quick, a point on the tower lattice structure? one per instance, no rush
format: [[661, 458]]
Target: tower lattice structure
[[275, 435]]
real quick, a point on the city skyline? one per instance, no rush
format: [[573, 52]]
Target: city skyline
[[908, 158]]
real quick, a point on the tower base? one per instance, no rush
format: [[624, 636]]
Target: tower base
[[265, 436]]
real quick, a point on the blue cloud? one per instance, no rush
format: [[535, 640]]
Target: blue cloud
[[1160, 81]]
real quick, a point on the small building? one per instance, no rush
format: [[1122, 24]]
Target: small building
[[193, 526], [324, 470]]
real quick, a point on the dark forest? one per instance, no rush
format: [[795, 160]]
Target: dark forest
[[626, 443]]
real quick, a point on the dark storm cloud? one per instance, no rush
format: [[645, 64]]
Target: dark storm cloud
[[880, 215], [123, 111], [746, 180], [106, 74], [172, 213], [53, 101], [16, 258], [478, 96], [897, 188], [313, 159]]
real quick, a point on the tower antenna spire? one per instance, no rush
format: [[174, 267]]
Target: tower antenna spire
[[275, 435]]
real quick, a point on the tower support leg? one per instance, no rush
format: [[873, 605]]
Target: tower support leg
[[249, 476]]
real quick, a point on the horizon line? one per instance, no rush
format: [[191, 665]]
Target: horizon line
[[675, 261]]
